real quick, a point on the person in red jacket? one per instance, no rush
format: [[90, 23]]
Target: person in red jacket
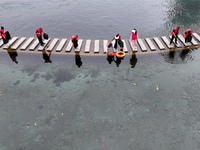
[[5, 35], [74, 39], [188, 35], [39, 32], [133, 38], [174, 34]]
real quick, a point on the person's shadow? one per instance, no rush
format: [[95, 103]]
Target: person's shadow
[[133, 60], [46, 57], [13, 54], [78, 59]]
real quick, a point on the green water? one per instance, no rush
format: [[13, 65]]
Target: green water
[[147, 102]]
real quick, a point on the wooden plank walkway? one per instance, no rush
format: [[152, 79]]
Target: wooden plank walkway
[[89, 46]]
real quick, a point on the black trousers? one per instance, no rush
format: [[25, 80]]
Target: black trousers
[[173, 39], [188, 39], [40, 40]]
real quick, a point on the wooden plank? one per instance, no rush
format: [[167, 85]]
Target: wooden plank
[[183, 40], [80, 41], [167, 42], [142, 46], [10, 42], [18, 43], [196, 36], [53, 44], [1, 42], [27, 43], [125, 49], [87, 46], [105, 49], [130, 43], [34, 45], [159, 44], [69, 46], [178, 43], [96, 46], [40, 48], [194, 42], [149, 42], [61, 45]]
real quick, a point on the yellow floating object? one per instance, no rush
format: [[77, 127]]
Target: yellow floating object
[[28, 127], [157, 88], [134, 83], [35, 124]]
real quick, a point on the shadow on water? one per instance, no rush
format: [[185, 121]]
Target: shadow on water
[[78, 60], [13, 55], [133, 60], [179, 56], [46, 56]]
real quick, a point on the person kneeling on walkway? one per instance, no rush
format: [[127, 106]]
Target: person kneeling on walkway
[[5, 35], [39, 32], [188, 35], [175, 33], [74, 39], [118, 41]]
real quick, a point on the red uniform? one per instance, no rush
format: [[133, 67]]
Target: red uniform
[[188, 32], [39, 32], [74, 37], [175, 31], [3, 34], [134, 36]]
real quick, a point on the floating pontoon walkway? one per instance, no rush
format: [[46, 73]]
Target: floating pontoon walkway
[[98, 47]]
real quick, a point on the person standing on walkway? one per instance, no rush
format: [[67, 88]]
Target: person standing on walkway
[[175, 33], [118, 41], [74, 39], [188, 35], [5, 35], [39, 32], [133, 38]]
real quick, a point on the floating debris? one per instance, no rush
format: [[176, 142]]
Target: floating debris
[[157, 88]]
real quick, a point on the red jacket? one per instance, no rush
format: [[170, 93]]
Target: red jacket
[[175, 31], [187, 32], [74, 37], [134, 36], [38, 32], [3, 33]]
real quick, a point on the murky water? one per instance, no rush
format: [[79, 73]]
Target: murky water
[[146, 101]]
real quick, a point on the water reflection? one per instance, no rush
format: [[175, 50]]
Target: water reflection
[[46, 56], [133, 60], [78, 60], [178, 56], [13, 54]]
